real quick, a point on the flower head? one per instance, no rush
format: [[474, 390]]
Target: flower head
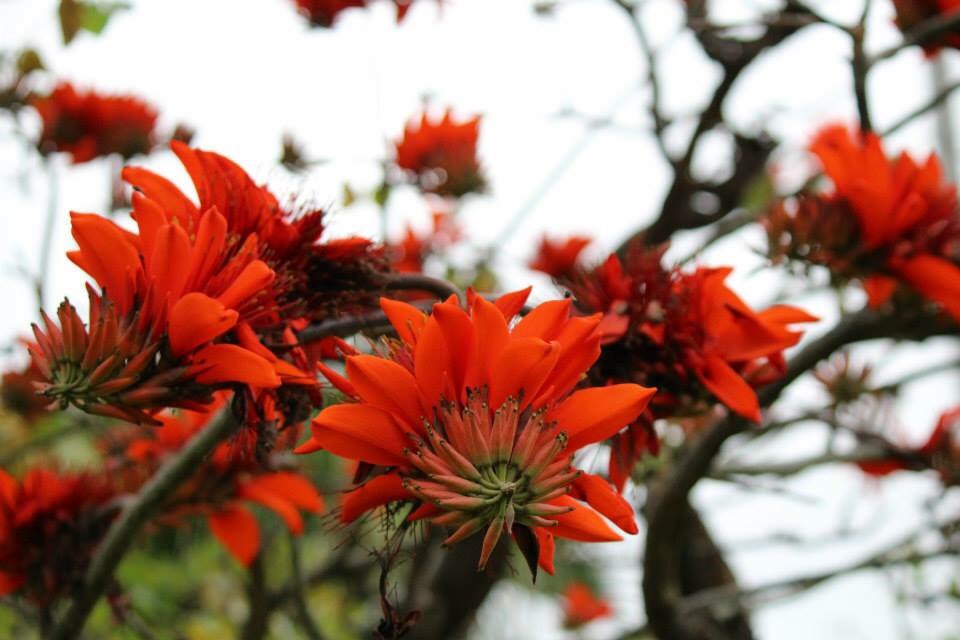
[[687, 334], [476, 423], [886, 222], [50, 523], [90, 125], [188, 304], [442, 155], [581, 607], [558, 258]]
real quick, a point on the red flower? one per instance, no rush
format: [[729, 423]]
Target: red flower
[[89, 125], [558, 259], [49, 526], [442, 155], [475, 422], [885, 222], [911, 13], [687, 334], [222, 487], [408, 255], [188, 303], [581, 607]]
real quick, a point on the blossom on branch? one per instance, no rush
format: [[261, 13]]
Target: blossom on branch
[[685, 333], [90, 125], [442, 155], [190, 303], [891, 224], [476, 423], [558, 258]]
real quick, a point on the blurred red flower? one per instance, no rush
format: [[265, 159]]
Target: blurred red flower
[[477, 423], [323, 13], [90, 125], [50, 523], [581, 607], [886, 222], [18, 392], [442, 155], [558, 258]]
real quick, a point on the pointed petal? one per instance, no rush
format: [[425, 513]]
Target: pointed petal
[[595, 414], [238, 531], [374, 493], [196, 319], [598, 493], [732, 390], [388, 386], [405, 318], [360, 432], [582, 524], [230, 363]]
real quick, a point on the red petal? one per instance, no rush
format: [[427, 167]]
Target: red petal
[[523, 366], [581, 524], [388, 386], [230, 363], [238, 531], [732, 390], [196, 319], [359, 432], [373, 493], [595, 414], [405, 318], [598, 493]]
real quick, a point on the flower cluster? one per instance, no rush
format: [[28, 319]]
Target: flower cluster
[[886, 222], [685, 333], [476, 423], [89, 125], [50, 522], [190, 303], [442, 155]]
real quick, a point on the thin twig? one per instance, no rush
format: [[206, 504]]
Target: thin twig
[[419, 282], [137, 513], [930, 105], [860, 68]]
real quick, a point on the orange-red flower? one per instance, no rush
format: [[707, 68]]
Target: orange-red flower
[[477, 423], [50, 523], [941, 452], [687, 334], [222, 488], [90, 125], [886, 222], [581, 606], [558, 258], [442, 155], [188, 303], [911, 13]]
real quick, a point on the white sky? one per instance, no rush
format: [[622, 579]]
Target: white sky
[[243, 72]]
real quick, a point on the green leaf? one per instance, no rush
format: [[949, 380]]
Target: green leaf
[[76, 16]]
